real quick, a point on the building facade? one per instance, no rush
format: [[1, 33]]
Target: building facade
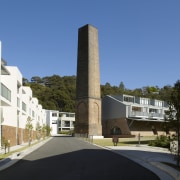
[[127, 116], [66, 121], [60, 121], [17, 104]]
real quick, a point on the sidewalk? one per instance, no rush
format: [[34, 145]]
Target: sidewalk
[[12, 159], [151, 158]]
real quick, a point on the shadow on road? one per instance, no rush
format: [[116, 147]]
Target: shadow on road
[[67, 158]]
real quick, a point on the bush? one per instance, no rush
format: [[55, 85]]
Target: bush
[[5, 144], [68, 132], [161, 141]]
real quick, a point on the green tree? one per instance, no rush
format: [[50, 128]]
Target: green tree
[[29, 128], [46, 130], [174, 114], [121, 87], [36, 79]]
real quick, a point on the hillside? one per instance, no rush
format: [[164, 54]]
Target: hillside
[[59, 93]]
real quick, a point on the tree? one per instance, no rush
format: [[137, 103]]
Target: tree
[[121, 87], [36, 79], [46, 130], [29, 127], [174, 114]]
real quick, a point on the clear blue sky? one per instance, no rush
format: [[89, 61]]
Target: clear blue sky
[[139, 40]]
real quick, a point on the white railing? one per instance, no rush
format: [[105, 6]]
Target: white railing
[[145, 115]]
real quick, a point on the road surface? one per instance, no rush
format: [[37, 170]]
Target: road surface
[[69, 158]]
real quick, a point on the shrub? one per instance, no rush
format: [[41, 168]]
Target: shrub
[[161, 141]]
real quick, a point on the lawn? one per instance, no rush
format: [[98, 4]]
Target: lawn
[[123, 141]]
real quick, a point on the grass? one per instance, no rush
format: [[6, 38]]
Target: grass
[[3, 156], [123, 141]]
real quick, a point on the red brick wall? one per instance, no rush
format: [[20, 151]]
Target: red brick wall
[[9, 133], [121, 123]]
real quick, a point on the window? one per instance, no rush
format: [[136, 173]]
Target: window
[[5, 92], [54, 122], [69, 115], [66, 123], [54, 114], [152, 110], [128, 99], [144, 101], [136, 108], [18, 102], [23, 106], [158, 103]]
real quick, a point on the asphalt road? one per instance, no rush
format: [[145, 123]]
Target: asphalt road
[[69, 158]]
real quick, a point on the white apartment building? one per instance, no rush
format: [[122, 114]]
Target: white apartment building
[[60, 121], [52, 119], [16, 105], [66, 121]]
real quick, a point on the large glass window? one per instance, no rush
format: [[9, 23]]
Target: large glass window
[[128, 99], [70, 115], [54, 114], [158, 103], [18, 102], [5, 92], [144, 101], [136, 108], [153, 110], [23, 106]]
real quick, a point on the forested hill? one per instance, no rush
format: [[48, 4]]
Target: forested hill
[[59, 93]]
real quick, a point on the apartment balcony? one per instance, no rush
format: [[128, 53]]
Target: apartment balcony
[[146, 115]]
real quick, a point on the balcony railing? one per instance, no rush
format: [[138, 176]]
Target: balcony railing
[[138, 114]]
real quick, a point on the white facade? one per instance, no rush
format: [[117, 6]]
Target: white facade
[[66, 120], [52, 119], [60, 121], [17, 102]]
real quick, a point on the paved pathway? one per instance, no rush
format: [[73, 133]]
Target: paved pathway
[[151, 158]]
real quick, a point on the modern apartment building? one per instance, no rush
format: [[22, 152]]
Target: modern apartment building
[[126, 115], [52, 120], [60, 121], [66, 121], [17, 104]]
